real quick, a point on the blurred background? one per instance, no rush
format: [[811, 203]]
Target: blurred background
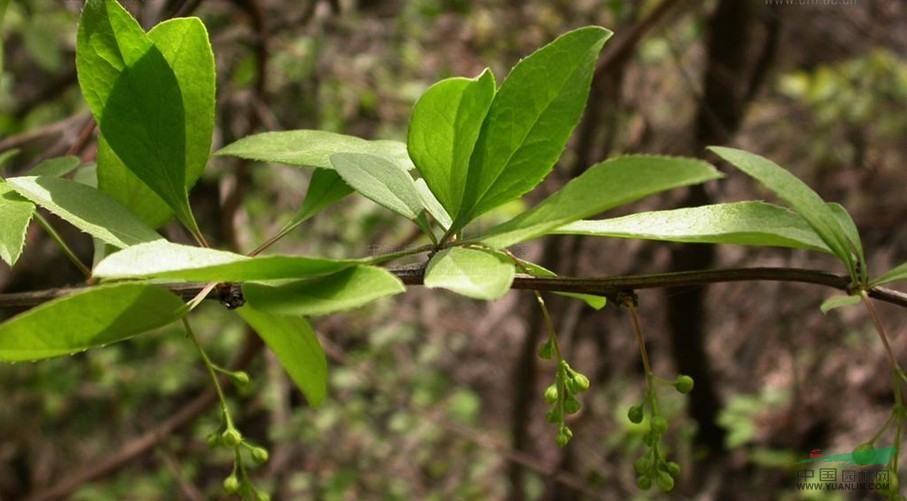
[[434, 396]]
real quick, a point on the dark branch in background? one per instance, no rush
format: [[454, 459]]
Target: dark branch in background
[[596, 135], [731, 78], [603, 286]]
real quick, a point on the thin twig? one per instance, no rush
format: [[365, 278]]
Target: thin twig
[[142, 444], [62, 243], [603, 286]]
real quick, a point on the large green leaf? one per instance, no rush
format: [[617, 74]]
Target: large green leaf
[[344, 290], [442, 134], [380, 181], [86, 208], [184, 44], [473, 273], [744, 223], [530, 120], [90, 319], [606, 185], [171, 261], [312, 148], [17, 213], [297, 348], [136, 98], [800, 197]]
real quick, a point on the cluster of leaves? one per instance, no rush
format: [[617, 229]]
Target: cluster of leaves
[[472, 147]]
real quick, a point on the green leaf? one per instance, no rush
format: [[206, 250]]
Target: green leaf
[[90, 319], [432, 205], [742, 223], [297, 348], [443, 131], [184, 44], [109, 39], [166, 260], [800, 197], [115, 179], [17, 213], [344, 290], [56, 167], [136, 98], [86, 208], [850, 229], [530, 120], [837, 302], [312, 148], [603, 186], [380, 181], [596, 302], [473, 273], [144, 124], [897, 273], [325, 188]]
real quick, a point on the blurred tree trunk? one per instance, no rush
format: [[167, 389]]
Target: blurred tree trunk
[[733, 74]]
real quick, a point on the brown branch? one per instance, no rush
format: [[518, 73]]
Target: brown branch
[[602, 286]]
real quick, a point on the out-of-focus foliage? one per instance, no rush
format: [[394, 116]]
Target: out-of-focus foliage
[[851, 102], [421, 389]]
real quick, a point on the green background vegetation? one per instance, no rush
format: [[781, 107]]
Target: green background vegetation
[[432, 395]]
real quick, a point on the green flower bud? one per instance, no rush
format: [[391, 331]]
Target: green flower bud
[[231, 484], [642, 464], [635, 414], [649, 438], [554, 415], [231, 437], [664, 481], [564, 435], [572, 405], [659, 424], [578, 383], [644, 482], [213, 440], [551, 394], [259, 455], [672, 468], [684, 383], [239, 378]]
